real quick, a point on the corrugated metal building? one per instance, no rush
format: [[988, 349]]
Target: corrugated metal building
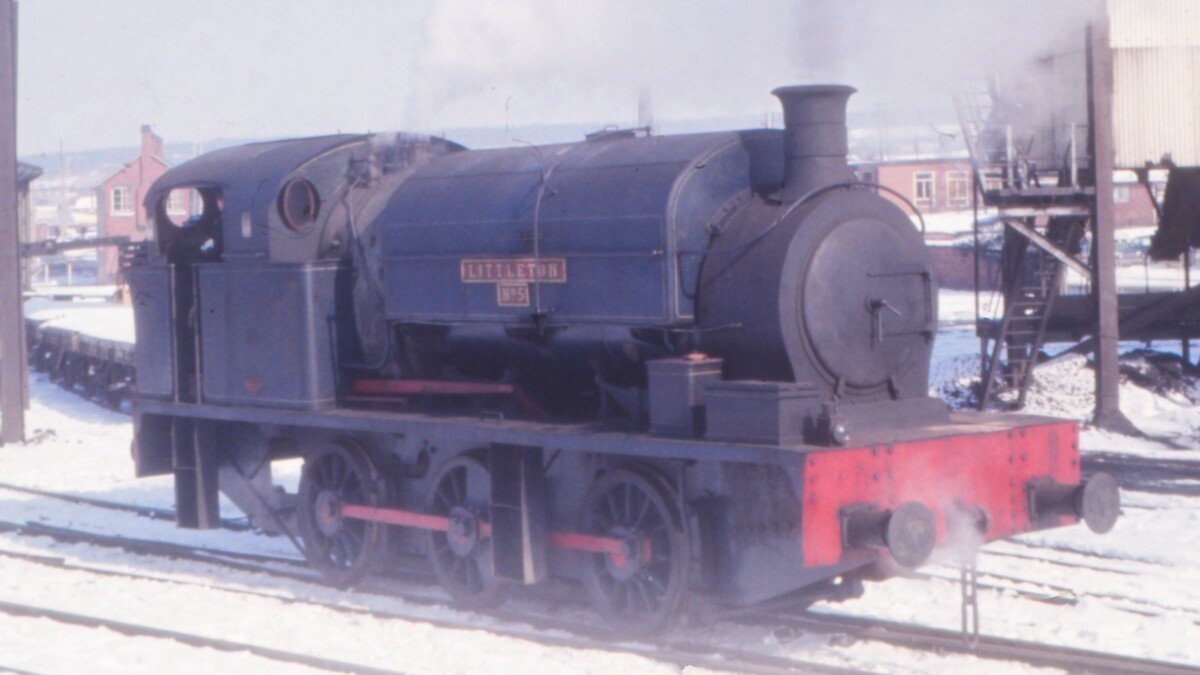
[[1156, 87], [1156, 81]]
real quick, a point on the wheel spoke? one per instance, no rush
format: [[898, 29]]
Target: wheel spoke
[[628, 504], [337, 553], [637, 522], [456, 566], [615, 518], [660, 527], [653, 580], [353, 534], [322, 471], [440, 497], [335, 472], [474, 576], [457, 478], [645, 596], [323, 545]]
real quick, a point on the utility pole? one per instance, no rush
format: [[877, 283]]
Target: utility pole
[[12, 352], [1104, 260]]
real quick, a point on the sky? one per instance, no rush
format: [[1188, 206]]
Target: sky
[[92, 72]]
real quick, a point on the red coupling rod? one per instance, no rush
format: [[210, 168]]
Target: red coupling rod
[[423, 521]]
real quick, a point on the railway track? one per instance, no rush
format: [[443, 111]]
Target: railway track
[[1063, 595], [190, 639], [1051, 561], [1174, 468], [1141, 474], [195, 554], [1008, 649], [152, 512], [582, 636], [154, 547], [1059, 596], [1092, 555], [594, 637]]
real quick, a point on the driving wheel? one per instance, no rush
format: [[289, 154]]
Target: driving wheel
[[461, 556], [343, 550], [638, 590]]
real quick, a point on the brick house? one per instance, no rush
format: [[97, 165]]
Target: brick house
[[119, 202], [934, 185], [1131, 202], [941, 185]]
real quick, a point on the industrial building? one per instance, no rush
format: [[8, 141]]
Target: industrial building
[[1046, 139]]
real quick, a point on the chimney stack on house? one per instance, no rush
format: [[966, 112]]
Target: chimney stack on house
[[152, 144]]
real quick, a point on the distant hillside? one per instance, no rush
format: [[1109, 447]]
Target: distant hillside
[[904, 134], [96, 164]]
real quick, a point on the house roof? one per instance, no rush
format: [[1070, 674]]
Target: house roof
[[109, 176], [27, 172], [953, 158]]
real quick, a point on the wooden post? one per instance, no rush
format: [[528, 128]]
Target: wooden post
[[12, 353], [1104, 260]]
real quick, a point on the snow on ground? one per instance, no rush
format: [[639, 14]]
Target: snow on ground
[[1146, 276], [1168, 411], [954, 223], [37, 645], [956, 307]]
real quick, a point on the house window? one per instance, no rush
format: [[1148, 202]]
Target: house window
[[923, 187], [992, 183], [177, 202], [122, 204], [957, 187], [1121, 194]]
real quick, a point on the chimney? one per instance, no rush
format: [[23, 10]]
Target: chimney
[[815, 141], [151, 143], [645, 109]]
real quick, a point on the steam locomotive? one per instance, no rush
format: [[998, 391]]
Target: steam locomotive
[[669, 369]]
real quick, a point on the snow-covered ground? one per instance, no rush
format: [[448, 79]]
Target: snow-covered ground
[[1144, 277], [1064, 388], [1135, 591], [956, 307]]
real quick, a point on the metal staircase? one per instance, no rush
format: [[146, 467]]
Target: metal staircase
[[1044, 209], [1033, 276]]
